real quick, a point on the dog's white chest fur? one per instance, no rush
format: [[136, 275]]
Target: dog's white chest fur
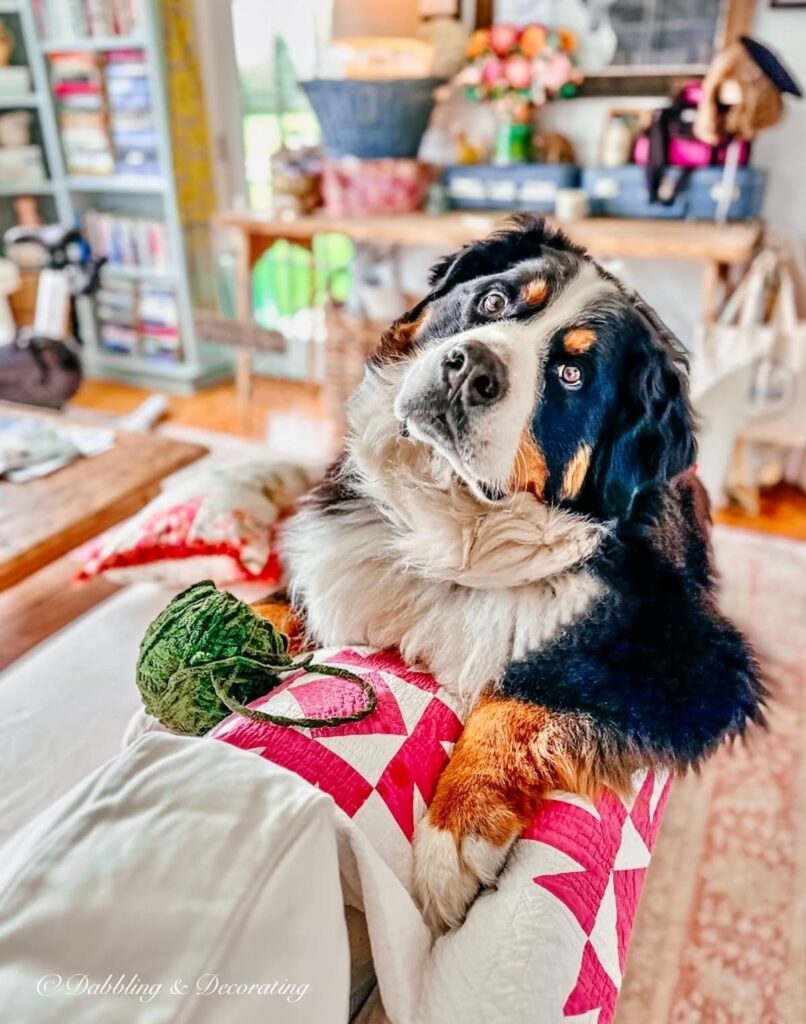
[[365, 580]]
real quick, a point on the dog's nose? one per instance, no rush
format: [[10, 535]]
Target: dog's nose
[[474, 375]]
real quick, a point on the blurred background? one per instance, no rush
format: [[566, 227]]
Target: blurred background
[[211, 208]]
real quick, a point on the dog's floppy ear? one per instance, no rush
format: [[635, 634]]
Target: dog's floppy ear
[[523, 237], [651, 438]]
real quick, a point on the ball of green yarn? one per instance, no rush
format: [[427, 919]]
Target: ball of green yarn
[[207, 654], [203, 636]]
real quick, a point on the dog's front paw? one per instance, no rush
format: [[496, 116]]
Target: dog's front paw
[[449, 870]]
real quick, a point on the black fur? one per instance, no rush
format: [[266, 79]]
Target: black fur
[[525, 237], [655, 664], [638, 420]]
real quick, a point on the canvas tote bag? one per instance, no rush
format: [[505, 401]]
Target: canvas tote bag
[[777, 400], [722, 370]]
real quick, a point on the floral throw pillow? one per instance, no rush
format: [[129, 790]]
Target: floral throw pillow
[[219, 524]]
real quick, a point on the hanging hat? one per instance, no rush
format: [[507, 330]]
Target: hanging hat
[[771, 66]]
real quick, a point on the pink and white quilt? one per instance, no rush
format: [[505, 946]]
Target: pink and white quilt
[[549, 943]]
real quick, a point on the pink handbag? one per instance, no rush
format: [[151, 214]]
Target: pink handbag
[[669, 142], [673, 127]]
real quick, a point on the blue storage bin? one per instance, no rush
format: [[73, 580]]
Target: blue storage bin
[[622, 192], [517, 187], [705, 188]]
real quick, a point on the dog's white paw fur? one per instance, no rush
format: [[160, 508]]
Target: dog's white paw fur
[[447, 875]]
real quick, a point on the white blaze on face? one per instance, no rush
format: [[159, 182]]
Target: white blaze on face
[[486, 450]]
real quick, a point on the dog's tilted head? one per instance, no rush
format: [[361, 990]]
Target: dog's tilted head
[[528, 367]]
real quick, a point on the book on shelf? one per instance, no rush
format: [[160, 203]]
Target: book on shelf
[[131, 114], [159, 317], [78, 87], [105, 113], [121, 137], [79, 19], [127, 241], [138, 319]]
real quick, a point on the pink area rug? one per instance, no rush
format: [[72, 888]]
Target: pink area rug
[[720, 936]]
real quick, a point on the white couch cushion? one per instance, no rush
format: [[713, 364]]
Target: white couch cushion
[[64, 707], [165, 885]]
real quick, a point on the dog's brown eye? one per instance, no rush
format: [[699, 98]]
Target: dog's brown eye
[[493, 303], [570, 374]]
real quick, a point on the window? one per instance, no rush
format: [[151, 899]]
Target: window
[[269, 63]]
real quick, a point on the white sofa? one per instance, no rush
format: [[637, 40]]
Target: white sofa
[[85, 868], [64, 706]]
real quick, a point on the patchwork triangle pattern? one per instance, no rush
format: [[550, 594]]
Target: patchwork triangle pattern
[[597, 840], [383, 770], [398, 752]]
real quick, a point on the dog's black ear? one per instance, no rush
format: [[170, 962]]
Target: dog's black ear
[[524, 236], [651, 438]]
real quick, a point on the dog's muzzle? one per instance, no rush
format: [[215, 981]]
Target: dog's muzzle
[[448, 394], [473, 375]]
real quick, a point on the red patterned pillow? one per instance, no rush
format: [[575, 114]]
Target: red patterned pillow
[[219, 524]]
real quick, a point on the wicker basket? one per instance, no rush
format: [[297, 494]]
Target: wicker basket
[[363, 188], [372, 119], [350, 339]]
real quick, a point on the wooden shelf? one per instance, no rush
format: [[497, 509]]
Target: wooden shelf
[[70, 196], [116, 183], [27, 100], [138, 273], [94, 43], [31, 188], [602, 236], [139, 363], [151, 373]]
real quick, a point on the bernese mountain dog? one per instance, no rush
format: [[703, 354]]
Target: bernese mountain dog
[[515, 510]]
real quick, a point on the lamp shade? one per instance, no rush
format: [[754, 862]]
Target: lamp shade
[[375, 18]]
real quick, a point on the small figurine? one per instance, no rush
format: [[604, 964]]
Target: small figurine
[[553, 148], [742, 93]]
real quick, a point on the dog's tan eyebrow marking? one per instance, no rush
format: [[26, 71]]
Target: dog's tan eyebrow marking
[[579, 340], [575, 472], [535, 292], [531, 472]]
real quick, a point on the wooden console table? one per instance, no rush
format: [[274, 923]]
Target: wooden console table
[[718, 247], [45, 518]]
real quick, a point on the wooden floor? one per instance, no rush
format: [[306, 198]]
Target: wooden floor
[[783, 512], [214, 408], [50, 600]]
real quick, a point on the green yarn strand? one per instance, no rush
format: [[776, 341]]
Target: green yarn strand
[[222, 690]]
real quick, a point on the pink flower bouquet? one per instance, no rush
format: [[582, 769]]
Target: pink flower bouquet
[[520, 65]]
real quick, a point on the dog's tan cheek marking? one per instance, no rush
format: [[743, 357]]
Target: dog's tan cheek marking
[[535, 292], [580, 340], [575, 472], [531, 471]]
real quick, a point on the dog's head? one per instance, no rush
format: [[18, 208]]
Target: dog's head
[[528, 367]]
